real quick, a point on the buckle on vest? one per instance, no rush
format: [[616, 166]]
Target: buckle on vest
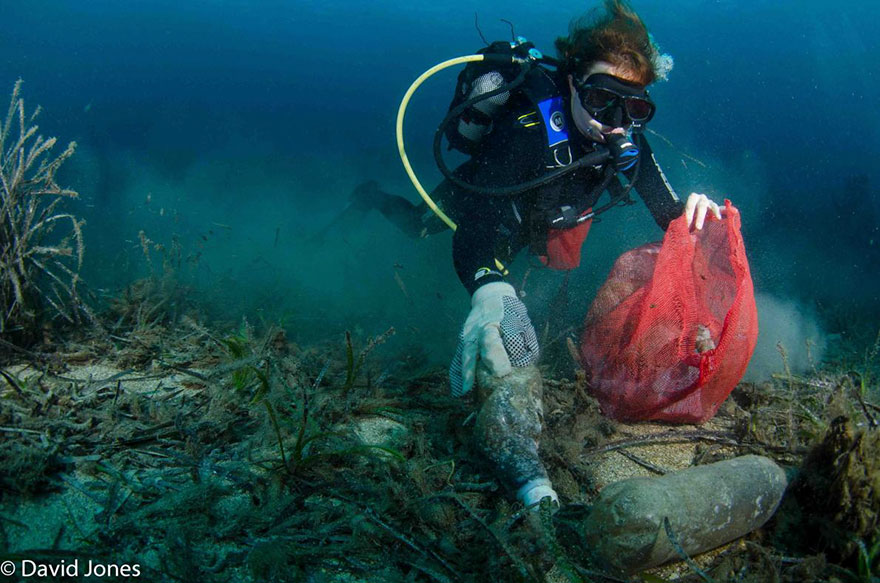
[[560, 163]]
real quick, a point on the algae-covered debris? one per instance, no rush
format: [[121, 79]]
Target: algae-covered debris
[[705, 506], [835, 502]]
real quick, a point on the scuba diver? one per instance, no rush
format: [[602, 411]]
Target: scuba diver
[[545, 139]]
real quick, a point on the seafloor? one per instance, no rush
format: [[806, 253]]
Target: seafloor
[[204, 454]]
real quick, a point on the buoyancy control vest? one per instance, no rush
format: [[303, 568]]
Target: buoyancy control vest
[[566, 224], [539, 87]]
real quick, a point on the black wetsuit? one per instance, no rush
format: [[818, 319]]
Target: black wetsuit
[[514, 152], [491, 227]]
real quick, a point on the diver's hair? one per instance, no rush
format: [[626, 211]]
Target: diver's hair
[[617, 36]]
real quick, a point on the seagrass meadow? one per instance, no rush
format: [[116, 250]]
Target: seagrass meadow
[[140, 431], [216, 367], [209, 455]]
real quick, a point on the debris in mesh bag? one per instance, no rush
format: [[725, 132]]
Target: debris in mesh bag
[[672, 329], [703, 341]]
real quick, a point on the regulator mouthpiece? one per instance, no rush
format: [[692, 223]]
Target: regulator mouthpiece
[[624, 152]]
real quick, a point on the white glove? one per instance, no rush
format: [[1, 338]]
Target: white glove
[[499, 331]]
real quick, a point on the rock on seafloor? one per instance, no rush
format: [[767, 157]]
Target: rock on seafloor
[[378, 431]]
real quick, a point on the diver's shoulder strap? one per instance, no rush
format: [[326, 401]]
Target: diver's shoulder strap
[[542, 90]]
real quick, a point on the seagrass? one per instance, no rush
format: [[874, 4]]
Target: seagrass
[[41, 245]]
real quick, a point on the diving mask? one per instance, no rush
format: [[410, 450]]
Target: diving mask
[[614, 102]]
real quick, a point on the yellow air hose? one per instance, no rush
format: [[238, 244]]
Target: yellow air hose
[[401, 112]]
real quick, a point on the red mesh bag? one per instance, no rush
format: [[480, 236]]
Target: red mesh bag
[[660, 304]]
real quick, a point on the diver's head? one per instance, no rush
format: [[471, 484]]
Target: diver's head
[[609, 58], [608, 100]]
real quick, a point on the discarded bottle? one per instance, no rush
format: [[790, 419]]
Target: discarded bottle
[[706, 506], [509, 423]]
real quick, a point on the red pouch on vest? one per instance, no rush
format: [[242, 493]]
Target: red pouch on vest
[[564, 246], [672, 330]]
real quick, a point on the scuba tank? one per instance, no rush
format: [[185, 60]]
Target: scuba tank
[[482, 89], [476, 121]]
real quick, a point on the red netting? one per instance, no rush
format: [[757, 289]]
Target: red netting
[[661, 303]]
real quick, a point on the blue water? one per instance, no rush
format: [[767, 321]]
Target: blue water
[[241, 128]]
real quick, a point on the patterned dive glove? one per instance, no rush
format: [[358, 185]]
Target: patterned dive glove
[[499, 331]]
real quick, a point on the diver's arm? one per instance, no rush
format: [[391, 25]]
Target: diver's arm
[[498, 330], [473, 254], [654, 188], [489, 225]]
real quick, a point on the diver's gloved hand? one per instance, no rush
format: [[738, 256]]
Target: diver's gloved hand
[[499, 331], [696, 208]]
